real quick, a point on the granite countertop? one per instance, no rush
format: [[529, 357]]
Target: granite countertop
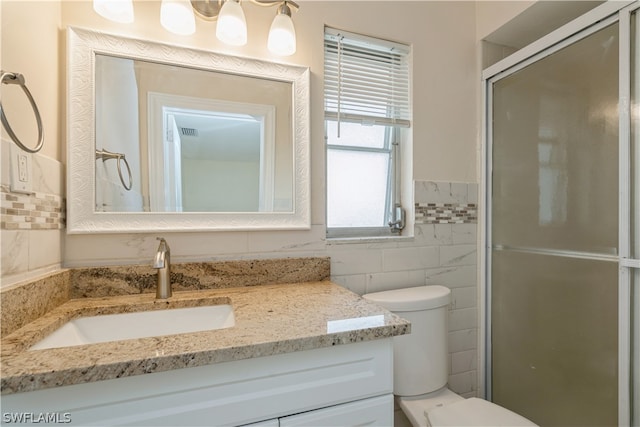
[[269, 320]]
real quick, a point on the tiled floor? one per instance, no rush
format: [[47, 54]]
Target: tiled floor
[[400, 419]]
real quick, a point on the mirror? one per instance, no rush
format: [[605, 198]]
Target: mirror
[[172, 138], [196, 132]]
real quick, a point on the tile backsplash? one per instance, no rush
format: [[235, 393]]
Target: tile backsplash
[[20, 305], [37, 211], [31, 225], [136, 279]]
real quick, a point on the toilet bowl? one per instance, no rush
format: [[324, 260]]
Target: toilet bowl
[[421, 364]]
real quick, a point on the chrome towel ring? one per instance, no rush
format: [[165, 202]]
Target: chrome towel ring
[[106, 155], [18, 79]]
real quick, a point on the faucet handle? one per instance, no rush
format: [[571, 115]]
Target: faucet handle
[[164, 243], [162, 254], [163, 264]]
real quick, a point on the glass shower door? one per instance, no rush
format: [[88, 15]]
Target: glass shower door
[[554, 235]]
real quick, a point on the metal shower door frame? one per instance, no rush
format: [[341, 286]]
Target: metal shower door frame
[[587, 24]]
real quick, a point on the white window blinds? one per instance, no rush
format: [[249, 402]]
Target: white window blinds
[[366, 80]]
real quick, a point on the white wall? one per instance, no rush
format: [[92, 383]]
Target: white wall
[[117, 132], [491, 15], [206, 185], [31, 45], [444, 65]]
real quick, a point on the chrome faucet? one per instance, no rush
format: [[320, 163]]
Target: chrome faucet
[[162, 262]]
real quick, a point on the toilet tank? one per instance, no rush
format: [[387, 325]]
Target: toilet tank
[[420, 359]]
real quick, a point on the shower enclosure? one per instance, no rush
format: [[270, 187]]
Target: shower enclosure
[[562, 237]]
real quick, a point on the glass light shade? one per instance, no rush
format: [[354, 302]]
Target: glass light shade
[[282, 36], [177, 17], [232, 25], [115, 10]]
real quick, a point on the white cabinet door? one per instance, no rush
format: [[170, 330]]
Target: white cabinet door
[[375, 411]]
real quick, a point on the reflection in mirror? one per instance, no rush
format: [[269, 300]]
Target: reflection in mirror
[[212, 149], [196, 140]]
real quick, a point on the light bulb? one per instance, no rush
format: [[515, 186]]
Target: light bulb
[[232, 25], [282, 35], [177, 16], [115, 10]]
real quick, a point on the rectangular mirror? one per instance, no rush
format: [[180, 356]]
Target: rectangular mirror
[[171, 138]]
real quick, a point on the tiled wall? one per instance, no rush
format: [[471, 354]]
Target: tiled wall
[[440, 253], [31, 225]]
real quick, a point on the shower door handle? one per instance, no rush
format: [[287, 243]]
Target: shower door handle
[[630, 262]]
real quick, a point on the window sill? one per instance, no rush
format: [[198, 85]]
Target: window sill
[[378, 239]]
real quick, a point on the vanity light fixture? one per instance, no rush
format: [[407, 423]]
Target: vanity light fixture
[[232, 25], [115, 10], [177, 16], [282, 35]]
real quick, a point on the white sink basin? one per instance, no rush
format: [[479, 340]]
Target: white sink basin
[[125, 326]]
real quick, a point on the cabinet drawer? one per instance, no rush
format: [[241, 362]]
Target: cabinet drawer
[[375, 411]]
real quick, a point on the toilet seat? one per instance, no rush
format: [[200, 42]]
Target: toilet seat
[[421, 364], [415, 407], [474, 412]]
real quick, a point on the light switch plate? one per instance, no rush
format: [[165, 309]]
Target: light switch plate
[[21, 171]]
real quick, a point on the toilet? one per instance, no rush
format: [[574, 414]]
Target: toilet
[[421, 364]]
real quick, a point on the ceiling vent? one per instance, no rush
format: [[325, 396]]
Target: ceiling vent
[[189, 131]]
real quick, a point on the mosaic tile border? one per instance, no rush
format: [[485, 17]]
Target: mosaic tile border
[[446, 213], [37, 211]]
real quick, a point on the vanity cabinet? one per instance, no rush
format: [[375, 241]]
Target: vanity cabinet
[[350, 384]]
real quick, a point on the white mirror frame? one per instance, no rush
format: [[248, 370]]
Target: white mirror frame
[[82, 46]]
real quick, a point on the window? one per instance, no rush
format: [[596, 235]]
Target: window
[[367, 113]]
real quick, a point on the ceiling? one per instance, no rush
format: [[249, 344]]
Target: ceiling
[[538, 20]]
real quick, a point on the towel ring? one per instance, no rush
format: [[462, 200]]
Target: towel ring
[[106, 155], [18, 79]]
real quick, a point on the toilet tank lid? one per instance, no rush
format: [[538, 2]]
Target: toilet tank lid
[[475, 412], [411, 299]]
